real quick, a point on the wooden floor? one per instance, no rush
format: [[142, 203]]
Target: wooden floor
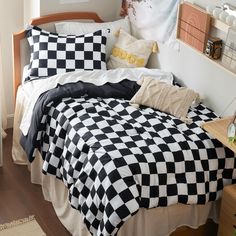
[[19, 198]]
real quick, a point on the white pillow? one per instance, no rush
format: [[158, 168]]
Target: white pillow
[[78, 28], [25, 73]]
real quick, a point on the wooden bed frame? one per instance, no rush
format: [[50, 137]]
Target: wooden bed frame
[[17, 37], [209, 228]]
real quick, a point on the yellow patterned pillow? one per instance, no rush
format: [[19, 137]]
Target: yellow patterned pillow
[[130, 52]]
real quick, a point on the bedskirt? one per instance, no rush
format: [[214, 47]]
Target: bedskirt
[[149, 222]]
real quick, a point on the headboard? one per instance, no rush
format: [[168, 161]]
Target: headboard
[[20, 46]]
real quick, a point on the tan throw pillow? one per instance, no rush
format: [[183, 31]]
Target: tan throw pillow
[[165, 97], [130, 52]]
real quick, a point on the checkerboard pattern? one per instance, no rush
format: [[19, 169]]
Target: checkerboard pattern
[[53, 54], [115, 159]]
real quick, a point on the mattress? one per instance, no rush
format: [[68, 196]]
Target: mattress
[[158, 221]]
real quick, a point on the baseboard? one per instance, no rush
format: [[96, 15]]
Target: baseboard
[[10, 121]]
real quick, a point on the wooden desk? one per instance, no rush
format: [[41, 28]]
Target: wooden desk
[[218, 129]]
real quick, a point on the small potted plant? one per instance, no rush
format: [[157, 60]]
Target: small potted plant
[[232, 139]]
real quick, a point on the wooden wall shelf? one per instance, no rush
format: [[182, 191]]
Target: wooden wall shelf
[[215, 62], [219, 25], [195, 27]]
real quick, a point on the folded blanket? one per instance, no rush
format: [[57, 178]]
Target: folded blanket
[[124, 90]]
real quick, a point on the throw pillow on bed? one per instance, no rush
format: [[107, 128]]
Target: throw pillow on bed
[[53, 54], [78, 28], [130, 52], [168, 98]]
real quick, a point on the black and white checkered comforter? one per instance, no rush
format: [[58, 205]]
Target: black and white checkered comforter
[[115, 159]]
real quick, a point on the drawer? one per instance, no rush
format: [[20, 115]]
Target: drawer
[[227, 223]]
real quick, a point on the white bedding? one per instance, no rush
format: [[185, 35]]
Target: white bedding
[[35, 88]]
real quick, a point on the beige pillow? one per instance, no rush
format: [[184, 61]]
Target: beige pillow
[[130, 52], [165, 97]]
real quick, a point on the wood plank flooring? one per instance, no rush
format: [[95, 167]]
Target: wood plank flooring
[[19, 198]]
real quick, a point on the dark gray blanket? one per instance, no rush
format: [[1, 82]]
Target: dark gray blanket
[[122, 90]]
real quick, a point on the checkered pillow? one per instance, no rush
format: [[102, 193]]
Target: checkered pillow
[[53, 54]]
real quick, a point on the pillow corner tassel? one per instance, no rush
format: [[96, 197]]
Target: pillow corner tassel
[[155, 47]]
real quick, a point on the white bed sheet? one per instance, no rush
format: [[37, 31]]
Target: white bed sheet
[[96, 77], [152, 222]]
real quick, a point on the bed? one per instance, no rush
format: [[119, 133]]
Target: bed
[[86, 179]]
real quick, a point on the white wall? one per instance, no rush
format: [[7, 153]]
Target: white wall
[[216, 84], [31, 10], [107, 9], [11, 20]]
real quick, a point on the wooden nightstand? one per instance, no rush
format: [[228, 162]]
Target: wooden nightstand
[[227, 222], [218, 129]]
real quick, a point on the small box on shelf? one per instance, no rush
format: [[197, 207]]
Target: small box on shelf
[[213, 48]]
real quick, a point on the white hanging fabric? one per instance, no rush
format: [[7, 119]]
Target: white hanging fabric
[[155, 19], [3, 111]]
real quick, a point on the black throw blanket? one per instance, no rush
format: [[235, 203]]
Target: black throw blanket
[[122, 90]]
